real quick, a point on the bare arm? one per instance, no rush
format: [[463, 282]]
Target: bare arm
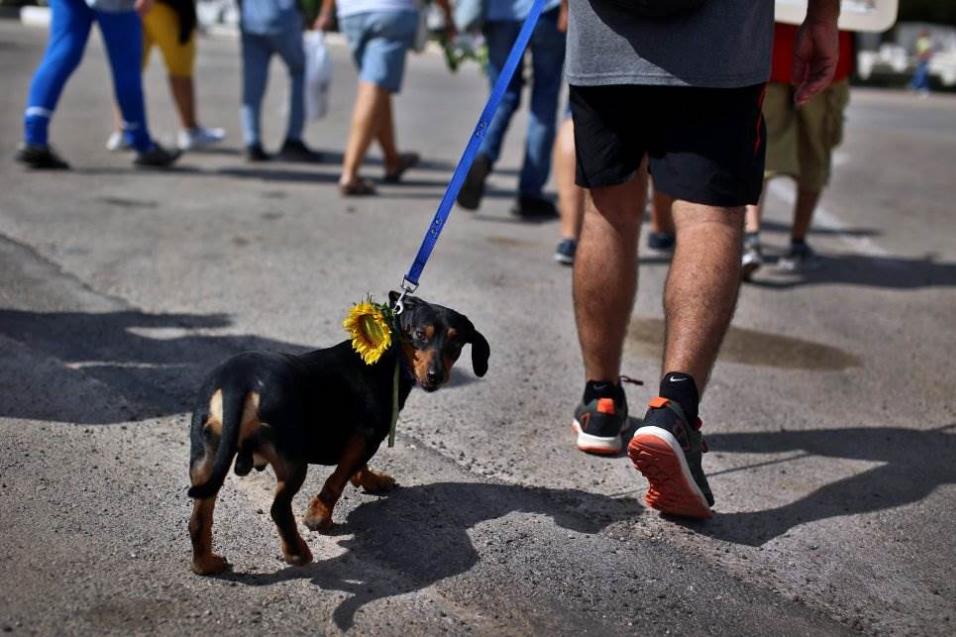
[[324, 20], [450, 29], [142, 7], [816, 50]]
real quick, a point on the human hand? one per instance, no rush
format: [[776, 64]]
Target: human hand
[[324, 21], [815, 55], [142, 7], [563, 17]]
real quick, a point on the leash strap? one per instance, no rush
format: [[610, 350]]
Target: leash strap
[[410, 281], [391, 429]]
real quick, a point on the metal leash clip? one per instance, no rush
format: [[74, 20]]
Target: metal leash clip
[[407, 288]]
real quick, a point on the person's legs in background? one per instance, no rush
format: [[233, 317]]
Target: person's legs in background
[[780, 118], [379, 42], [570, 195], [547, 56], [69, 30], [256, 53], [163, 25], [819, 131], [123, 37], [661, 236], [500, 36], [367, 117], [289, 47]]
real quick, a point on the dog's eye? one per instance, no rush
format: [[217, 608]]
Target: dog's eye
[[420, 335]]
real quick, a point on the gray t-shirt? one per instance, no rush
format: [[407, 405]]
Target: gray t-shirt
[[723, 44]]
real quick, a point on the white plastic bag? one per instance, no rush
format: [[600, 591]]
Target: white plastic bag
[[318, 75]]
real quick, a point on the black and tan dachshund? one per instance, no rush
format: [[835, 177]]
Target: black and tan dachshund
[[323, 407]]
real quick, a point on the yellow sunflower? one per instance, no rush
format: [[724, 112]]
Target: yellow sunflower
[[371, 335]]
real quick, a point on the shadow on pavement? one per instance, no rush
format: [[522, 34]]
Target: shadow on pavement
[[284, 175], [419, 536], [913, 464], [776, 226], [871, 271], [101, 368]]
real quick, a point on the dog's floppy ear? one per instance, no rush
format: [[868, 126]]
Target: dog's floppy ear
[[480, 351]]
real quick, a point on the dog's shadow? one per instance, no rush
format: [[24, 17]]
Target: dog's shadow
[[418, 535]]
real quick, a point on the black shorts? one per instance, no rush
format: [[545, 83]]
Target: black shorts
[[704, 145]]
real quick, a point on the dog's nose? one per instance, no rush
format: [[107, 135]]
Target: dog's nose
[[433, 377]]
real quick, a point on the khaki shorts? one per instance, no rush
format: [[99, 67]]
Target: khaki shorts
[[801, 140], [161, 27]]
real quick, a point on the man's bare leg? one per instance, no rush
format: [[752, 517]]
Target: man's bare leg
[[699, 299], [570, 195], [184, 95], [605, 274], [803, 213], [701, 290]]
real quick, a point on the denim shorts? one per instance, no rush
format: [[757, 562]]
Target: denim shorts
[[379, 41]]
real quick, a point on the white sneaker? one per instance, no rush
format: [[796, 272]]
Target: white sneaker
[[199, 137], [116, 142]]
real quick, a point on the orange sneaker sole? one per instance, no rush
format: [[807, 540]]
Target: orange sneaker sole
[[657, 455]]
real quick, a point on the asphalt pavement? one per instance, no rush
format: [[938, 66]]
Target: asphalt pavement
[[830, 417]]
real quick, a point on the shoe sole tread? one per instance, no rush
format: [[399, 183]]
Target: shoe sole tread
[[657, 455]]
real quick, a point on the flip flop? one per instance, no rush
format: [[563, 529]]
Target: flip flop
[[405, 161], [358, 188]]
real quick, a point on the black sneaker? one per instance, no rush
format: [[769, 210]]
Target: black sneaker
[[564, 253], [663, 241], [598, 425], [296, 150], [799, 257], [40, 157], [667, 450], [255, 152], [156, 157], [469, 197], [534, 207]]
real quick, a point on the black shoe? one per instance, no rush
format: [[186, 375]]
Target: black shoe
[[663, 241], [469, 197], [156, 157], [255, 152], [564, 253], [296, 150], [532, 207], [40, 157], [598, 425], [667, 450]]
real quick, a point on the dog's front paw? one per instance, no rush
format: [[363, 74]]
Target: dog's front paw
[[300, 556], [209, 564], [318, 517], [374, 481]]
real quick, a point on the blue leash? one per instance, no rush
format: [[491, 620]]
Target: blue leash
[[410, 280]]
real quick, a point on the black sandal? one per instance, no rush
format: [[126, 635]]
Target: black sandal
[[358, 188]]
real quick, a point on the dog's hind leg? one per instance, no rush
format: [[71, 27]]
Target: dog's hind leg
[[205, 562], [373, 481], [319, 515], [289, 477]]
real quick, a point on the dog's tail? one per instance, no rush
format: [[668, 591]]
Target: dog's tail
[[232, 405]]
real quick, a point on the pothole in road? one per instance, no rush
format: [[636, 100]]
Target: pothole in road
[[751, 347]]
